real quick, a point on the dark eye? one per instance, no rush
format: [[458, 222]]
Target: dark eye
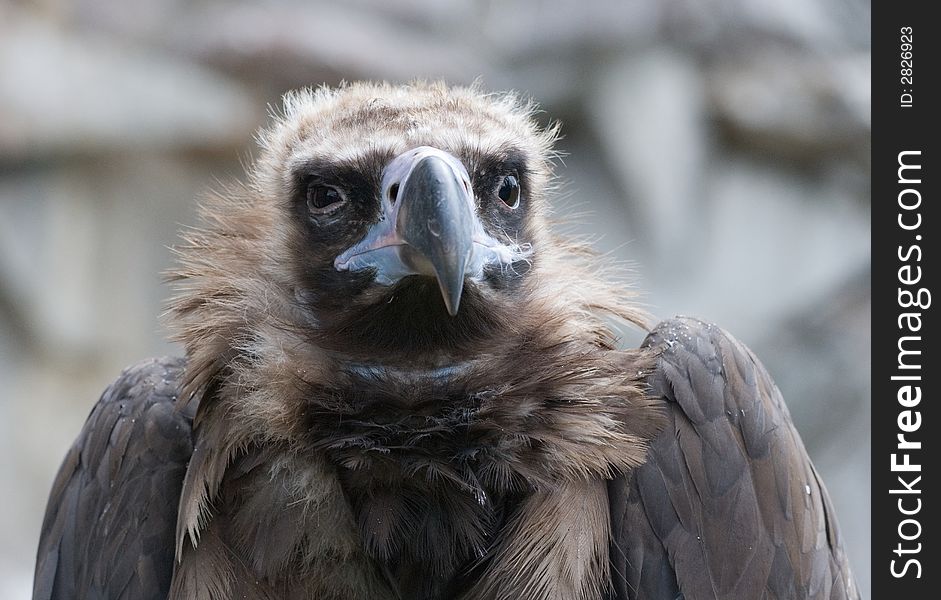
[[510, 191], [323, 199]]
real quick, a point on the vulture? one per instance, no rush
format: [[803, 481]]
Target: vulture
[[400, 383]]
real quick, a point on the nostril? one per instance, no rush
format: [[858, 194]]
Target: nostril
[[393, 193]]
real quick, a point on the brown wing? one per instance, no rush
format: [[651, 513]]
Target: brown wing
[[728, 504], [109, 527]]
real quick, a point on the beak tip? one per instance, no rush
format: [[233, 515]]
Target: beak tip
[[452, 298]]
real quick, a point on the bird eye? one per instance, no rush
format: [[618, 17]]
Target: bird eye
[[510, 191], [323, 199]]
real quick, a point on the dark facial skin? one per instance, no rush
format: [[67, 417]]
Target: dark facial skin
[[336, 205]]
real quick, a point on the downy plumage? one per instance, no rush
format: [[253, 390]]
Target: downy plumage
[[400, 383]]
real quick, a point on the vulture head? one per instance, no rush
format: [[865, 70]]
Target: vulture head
[[413, 214], [388, 225]]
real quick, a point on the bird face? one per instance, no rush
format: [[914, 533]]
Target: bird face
[[415, 214], [428, 226]]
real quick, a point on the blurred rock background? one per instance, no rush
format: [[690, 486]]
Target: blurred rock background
[[722, 147]]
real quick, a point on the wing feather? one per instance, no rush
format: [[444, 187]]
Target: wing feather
[[728, 504], [108, 531]]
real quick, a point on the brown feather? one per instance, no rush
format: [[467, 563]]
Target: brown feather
[[343, 439], [444, 479]]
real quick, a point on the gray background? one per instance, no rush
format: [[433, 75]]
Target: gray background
[[721, 147]]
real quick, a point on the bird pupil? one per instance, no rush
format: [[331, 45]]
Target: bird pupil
[[510, 191], [321, 196]]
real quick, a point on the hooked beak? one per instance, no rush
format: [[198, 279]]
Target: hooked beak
[[429, 225], [436, 224]]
